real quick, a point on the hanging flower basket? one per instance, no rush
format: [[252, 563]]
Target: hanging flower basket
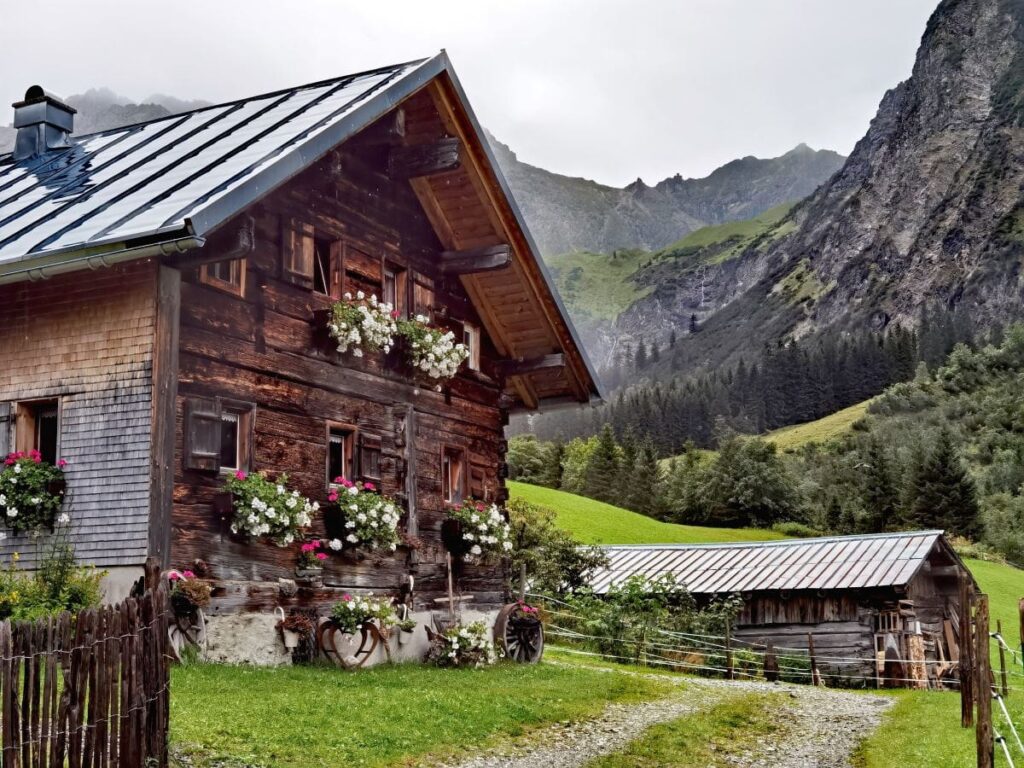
[[188, 594], [359, 324], [31, 491], [476, 531], [265, 508], [432, 352], [364, 518]]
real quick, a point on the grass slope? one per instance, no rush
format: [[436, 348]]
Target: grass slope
[[597, 286], [824, 429], [721, 242], [318, 716], [594, 522]]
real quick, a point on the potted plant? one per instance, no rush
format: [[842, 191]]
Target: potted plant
[[31, 491], [476, 531], [188, 594], [310, 567], [366, 518], [351, 613], [406, 625], [358, 323], [462, 646], [295, 628], [266, 508], [432, 352]]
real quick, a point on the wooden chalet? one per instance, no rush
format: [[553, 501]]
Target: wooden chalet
[[883, 607], [163, 289]]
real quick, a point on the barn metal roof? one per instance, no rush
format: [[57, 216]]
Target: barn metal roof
[[182, 174], [829, 563]]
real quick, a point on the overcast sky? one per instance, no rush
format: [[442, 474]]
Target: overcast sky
[[594, 88]]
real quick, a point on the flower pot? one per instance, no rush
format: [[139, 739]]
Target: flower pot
[[57, 487], [291, 639], [405, 636], [224, 504], [451, 535]]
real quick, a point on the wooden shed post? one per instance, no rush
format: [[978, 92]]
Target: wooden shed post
[[729, 672], [966, 670], [986, 745], [771, 665]]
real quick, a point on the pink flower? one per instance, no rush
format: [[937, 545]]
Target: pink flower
[[479, 507], [395, 314], [308, 547], [35, 455], [346, 598], [61, 464], [339, 480], [321, 555], [347, 483], [240, 475], [369, 487], [332, 496], [173, 576], [188, 575]]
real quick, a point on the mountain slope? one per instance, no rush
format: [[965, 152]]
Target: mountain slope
[[571, 214], [928, 207]]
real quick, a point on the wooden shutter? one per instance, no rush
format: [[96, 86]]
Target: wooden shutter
[[298, 246], [202, 434], [478, 481], [369, 457], [6, 429]]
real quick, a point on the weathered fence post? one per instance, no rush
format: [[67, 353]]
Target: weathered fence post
[[1020, 612], [966, 670], [522, 582], [815, 674], [986, 745], [1002, 657], [771, 665], [730, 673]]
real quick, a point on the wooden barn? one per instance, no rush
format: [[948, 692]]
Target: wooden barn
[[164, 295], [881, 607]]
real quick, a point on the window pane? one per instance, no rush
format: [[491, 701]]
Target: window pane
[[46, 432], [391, 289], [223, 270], [337, 460], [229, 441]]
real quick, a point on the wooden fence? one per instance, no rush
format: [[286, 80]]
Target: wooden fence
[[89, 690]]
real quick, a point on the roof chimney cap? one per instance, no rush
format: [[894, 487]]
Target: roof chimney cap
[[44, 123]]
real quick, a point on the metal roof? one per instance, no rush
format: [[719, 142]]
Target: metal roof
[[829, 563], [182, 174]]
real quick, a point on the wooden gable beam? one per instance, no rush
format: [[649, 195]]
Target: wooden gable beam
[[521, 366], [476, 260], [424, 159]]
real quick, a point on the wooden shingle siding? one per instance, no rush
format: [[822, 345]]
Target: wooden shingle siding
[[88, 340]]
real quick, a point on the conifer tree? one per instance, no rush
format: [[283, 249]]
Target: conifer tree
[[945, 495], [602, 474], [551, 473], [879, 494]]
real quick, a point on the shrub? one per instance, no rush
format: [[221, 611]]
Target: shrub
[[351, 613], [796, 530], [57, 585]]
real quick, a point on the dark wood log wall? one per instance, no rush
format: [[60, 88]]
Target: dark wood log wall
[[267, 349]]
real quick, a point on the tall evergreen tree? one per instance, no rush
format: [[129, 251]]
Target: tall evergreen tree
[[945, 495], [879, 493], [602, 474]]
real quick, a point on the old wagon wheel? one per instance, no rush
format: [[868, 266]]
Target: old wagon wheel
[[370, 637], [520, 634], [188, 629]]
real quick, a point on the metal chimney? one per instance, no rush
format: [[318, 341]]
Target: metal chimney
[[44, 123]]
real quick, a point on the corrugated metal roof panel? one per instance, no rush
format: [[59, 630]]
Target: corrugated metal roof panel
[[837, 562]]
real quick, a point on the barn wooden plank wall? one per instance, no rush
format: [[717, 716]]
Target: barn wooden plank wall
[[87, 690], [267, 348]]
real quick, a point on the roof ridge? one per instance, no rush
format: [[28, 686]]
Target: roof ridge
[[776, 542], [233, 102]]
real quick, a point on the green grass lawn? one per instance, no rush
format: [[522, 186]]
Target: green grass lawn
[[824, 429], [317, 716], [594, 522]]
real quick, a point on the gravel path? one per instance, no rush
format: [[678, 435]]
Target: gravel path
[[822, 729]]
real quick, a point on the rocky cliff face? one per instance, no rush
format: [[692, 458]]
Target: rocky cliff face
[[571, 214], [928, 207]]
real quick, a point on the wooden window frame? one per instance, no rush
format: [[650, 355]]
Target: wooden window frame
[[211, 410], [473, 331], [24, 425], [479, 468], [401, 278], [351, 433], [447, 495], [235, 286]]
